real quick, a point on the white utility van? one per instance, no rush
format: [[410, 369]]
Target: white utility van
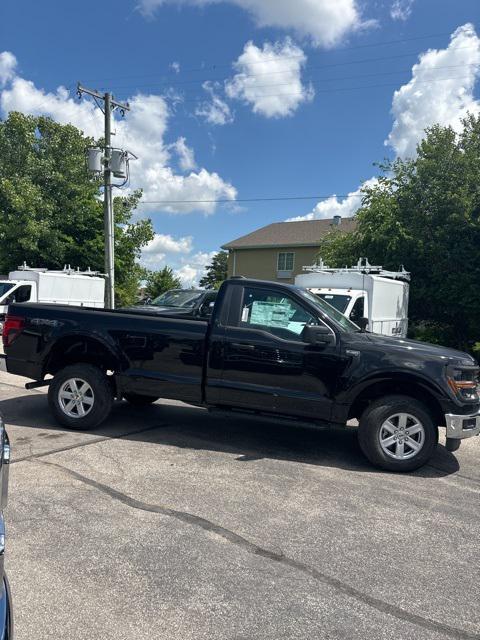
[[70, 287], [363, 291]]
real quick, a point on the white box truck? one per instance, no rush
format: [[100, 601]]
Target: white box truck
[[69, 287], [363, 291]]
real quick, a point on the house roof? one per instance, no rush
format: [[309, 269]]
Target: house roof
[[303, 233]]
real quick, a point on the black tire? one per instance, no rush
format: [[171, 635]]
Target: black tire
[[100, 399], [371, 428], [138, 400]]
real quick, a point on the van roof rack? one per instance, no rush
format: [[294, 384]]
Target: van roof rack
[[362, 266], [66, 269]]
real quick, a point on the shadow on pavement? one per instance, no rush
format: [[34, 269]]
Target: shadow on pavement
[[250, 437]]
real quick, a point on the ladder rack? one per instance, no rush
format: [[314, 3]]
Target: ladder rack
[[361, 267], [67, 269]]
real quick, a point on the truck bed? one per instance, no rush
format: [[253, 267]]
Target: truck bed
[[155, 353]]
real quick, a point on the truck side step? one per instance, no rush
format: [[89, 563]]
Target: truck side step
[[37, 383]]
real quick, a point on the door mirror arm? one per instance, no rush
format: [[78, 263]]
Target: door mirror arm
[[318, 335], [362, 323]]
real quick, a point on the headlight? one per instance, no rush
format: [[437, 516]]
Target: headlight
[[463, 382]]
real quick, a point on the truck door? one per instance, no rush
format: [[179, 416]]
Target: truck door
[[266, 366]]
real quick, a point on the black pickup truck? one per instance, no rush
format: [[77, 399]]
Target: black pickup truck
[[268, 348]]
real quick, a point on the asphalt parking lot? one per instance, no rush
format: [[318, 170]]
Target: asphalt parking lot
[[171, 522]]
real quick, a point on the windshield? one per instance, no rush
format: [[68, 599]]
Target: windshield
[[4, 287], [329, 311], [340, 302], [178, 298]]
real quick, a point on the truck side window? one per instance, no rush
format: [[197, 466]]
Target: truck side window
[[274, 312], [22, 294], [358, 310]]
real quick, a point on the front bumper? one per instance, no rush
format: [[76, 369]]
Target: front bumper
[[459, 427]]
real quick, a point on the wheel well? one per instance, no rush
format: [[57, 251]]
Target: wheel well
[[388, 387], [76, 349]]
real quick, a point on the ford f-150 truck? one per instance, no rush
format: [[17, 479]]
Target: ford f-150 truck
[[268, 348]]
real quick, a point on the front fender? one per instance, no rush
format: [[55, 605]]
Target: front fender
[[347, 398], [401, 377]]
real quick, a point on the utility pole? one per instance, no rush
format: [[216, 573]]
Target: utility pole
[[109, 104]]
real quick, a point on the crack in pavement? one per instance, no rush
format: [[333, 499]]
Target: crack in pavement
[[280, 558], [79, 445]]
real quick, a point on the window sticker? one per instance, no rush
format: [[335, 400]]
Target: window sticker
[[270, 314], [245, 314]]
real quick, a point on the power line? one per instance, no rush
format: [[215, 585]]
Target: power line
[[228, 66], [270, 199], [366, 75], [332, 90], [271, 73]]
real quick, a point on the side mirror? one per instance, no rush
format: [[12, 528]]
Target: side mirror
[[362, 323], [318, 335], [207, 308]]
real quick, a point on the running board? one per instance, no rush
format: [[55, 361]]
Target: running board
[[37, 383]]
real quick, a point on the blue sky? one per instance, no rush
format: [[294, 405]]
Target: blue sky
[[304, 98]]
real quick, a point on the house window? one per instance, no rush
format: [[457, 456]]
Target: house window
[[285, 262]]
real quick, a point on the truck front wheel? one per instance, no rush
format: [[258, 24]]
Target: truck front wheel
[[397, 433], [80, 396]]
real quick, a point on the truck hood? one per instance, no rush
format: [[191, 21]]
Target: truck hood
[[421, 349]]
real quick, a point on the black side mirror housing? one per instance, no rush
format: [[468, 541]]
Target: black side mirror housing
[[362, 323], [318, 335]]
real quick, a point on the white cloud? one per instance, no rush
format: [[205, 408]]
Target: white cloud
[[186, 156], [324, 22], [22, 95], [193, 268], [157, 249], [175, 66], [427, 99], [215, 110], [270, 79], [401, 9], [178, 254], [8, 62], [142, 132], [333, 206]]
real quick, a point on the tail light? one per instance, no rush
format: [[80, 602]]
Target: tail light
[[12, 327]]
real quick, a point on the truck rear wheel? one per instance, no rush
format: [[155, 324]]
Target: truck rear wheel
[[80, 396], [397, 433], [138, 400]]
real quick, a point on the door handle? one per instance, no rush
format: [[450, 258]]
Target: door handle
[[241, 346]]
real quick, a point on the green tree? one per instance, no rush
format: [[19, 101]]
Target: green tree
[[425, 213], [158, 282], [217, 271], [50, 210]]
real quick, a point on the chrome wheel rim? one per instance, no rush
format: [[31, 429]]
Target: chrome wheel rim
[[402, 436], [76, 398]]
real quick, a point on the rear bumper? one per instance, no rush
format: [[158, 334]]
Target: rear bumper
[[459, 427]]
